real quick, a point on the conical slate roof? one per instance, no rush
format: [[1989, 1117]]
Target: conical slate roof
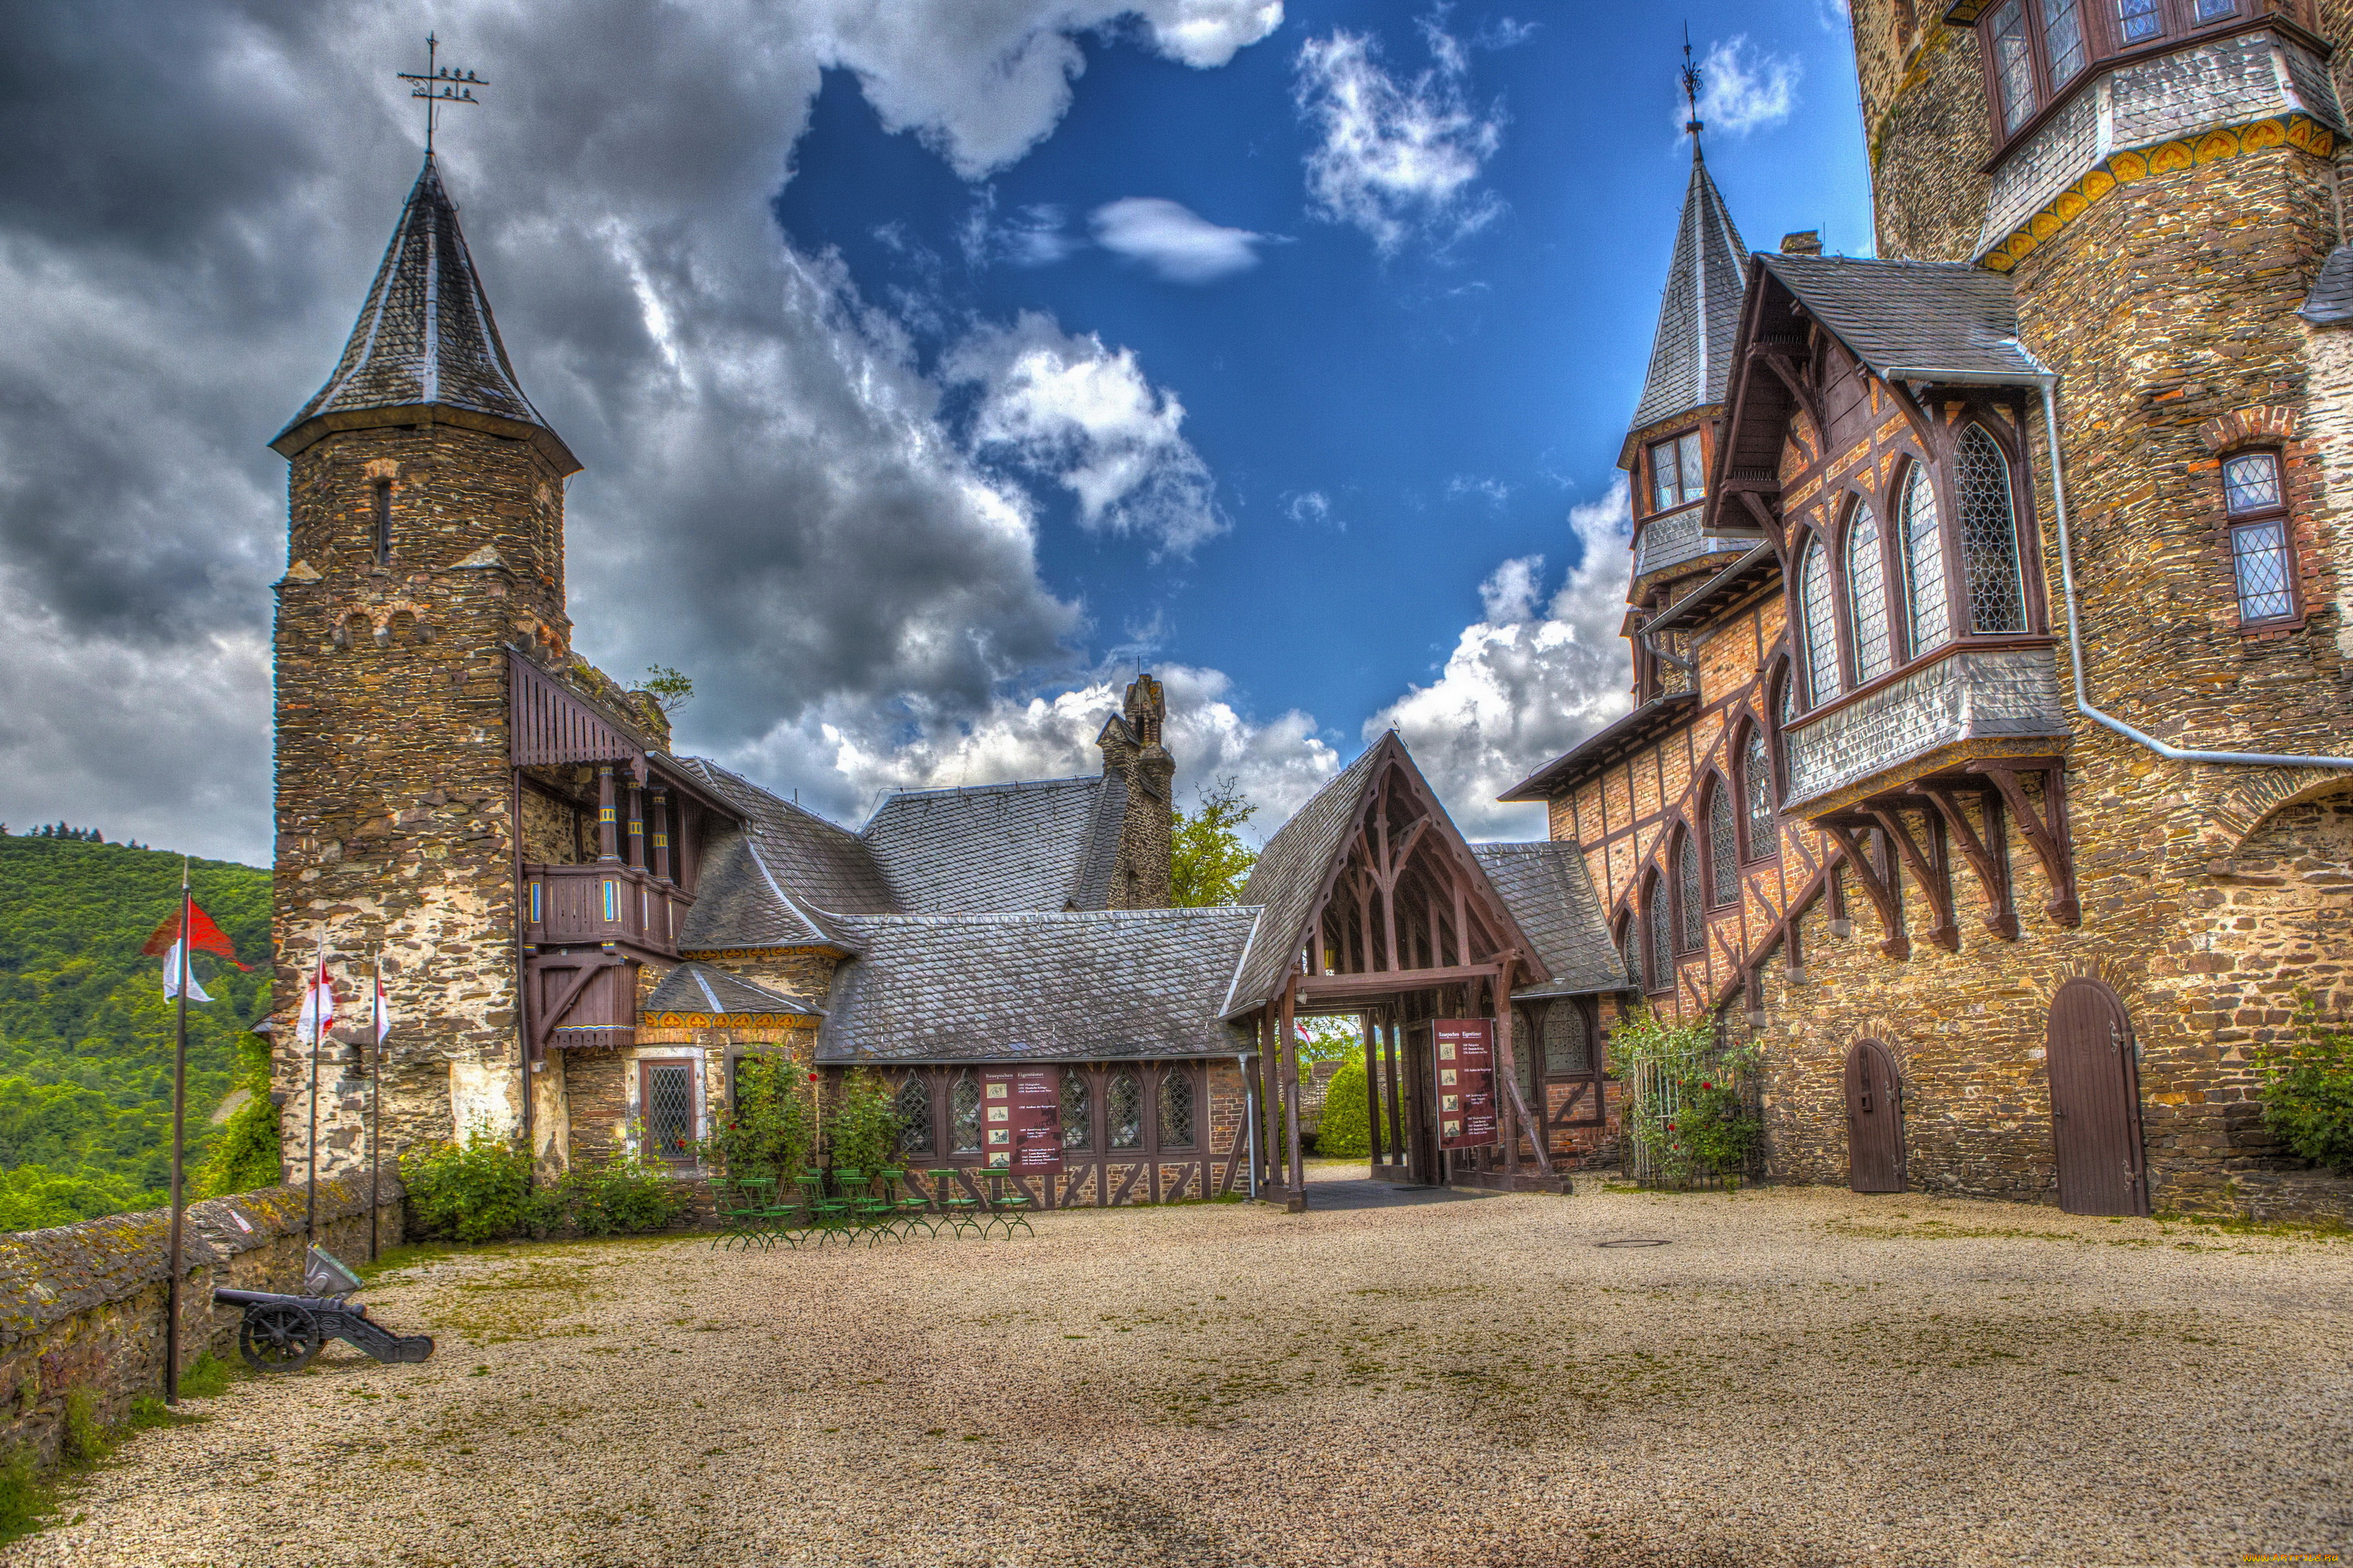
[[1700, 312], [425, 336]]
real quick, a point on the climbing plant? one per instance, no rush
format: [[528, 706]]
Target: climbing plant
[[862, 1134], [1687, 1111]]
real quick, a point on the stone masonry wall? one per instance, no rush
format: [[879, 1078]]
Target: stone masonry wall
[[393, 806], [1927, 128], [83, 1305]]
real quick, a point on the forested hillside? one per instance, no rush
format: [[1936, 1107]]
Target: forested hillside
[[86, 1034]]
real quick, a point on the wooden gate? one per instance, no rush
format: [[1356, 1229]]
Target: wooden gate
[[2095, 1103], [1875, 1120]]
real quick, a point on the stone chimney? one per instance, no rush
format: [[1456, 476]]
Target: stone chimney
[[1805, 242], [1133, 754]]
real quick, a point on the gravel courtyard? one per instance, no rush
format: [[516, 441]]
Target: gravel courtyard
[[1796, 1377]]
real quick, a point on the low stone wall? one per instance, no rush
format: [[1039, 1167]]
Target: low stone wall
[[83, 1305]]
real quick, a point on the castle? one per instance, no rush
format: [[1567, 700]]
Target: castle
[[1988, 761]]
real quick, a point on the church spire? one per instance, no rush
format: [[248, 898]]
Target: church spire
[[425, 348], [1699, 312]]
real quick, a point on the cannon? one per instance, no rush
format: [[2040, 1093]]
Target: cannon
[[282, 1334]]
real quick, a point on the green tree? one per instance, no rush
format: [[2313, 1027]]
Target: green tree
[[2309, 1091], [862, 1134], [669, 688], [767, 1135], [1207, 862], [246, 1155], [1346, 1128]]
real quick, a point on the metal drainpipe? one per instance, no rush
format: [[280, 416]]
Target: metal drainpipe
[[2048, 381]]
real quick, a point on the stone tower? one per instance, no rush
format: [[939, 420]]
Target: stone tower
[[1132, 752], [425, 511]]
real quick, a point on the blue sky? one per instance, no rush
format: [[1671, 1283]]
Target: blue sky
[[933, 363]]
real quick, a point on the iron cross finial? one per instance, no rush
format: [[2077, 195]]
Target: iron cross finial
[[438, 84], [1691, 84]]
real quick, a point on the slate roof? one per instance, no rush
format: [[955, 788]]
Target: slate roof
[[1699, 310], [700, 988], [1086, 986], [1000, 849], [1935, 315], [2330, 303], [1289, 874], [1577, 765], [775, 882], [426, 334], [1549, 890]]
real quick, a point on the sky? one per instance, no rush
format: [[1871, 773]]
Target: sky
[[935, 363]]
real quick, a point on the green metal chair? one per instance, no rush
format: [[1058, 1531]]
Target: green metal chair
[[878, 1211], [962, 1212], [830, 1216], [759, 1197], [1007, 1209], [740, 1215], [914, 1211]]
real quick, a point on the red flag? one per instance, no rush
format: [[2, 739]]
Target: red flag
[[209, 938], [318, 1014]]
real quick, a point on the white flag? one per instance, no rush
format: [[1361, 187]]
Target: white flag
[[382, 1013], [172, 978], [318, 1003]]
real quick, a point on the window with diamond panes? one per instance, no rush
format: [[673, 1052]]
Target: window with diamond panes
[[1123, 1111], [1924, 562], [1630, 948], [1078, 1111], [914, 1104], [1567, 1041], [669, 1111], [963, 1117], [2260, 562], [1817, 603], [2213, 10], [1757, 780], [1723, 849], [1687, 880], [1659, 962], [1176, 1110], [2013, 63], [1676, 473], [1866, 595], [2139, 20], [2063, 39], [1988, 535]]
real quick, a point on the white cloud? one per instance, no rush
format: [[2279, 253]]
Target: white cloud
[[1396, 157], [1311, 507], [1084, 414], [1527, 680], [1742, 88], [1031, 236], [1485, 487], [1177, 244]]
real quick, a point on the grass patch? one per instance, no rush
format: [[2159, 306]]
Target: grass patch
[[2286, 1230], [26, 1501]]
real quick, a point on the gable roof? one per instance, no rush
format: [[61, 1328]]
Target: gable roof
[[425, 336], [775, 881], [1089, 985], [1911, 315], [1050, 843], [699, 988], [1604, 746], [1549, 890], [1290, 872], [1699, 310]]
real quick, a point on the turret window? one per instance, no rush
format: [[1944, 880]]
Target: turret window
[[1988, 535], [2261, 565], [1924, 562], [1866, 590], [1821, 624], [1677, 475], [383, 522]]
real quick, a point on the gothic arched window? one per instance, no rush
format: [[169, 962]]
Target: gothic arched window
[[914, 1104], [1723, 847], [963, 1117], [1866, 597], [1176, 1110], [1687, 886], [1924, 562], [1658, 958], [1630, 948], [1756, 779], [1988, 535], [1078, 1111], [1567, 1040], [1821, 616], [1123, 1111]]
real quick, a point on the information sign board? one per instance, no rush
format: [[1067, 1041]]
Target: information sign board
[[1466, 1082], [1021, 1119]]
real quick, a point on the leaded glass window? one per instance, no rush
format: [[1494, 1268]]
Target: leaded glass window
[[1924, 562], [1176, 1110], [2139, 20], [1723, 849], [1078, 1111], [1756, 778], [1687, 880], [1677, 476], [669, 1111], [1658, 962], [2063, 39], [1821, 624], [2215, 10], [963, 1117], [2251, 483], [1123, 1111], [1988, 535], [2013, 63], [1866, 595], [1567, 1041], [2260, 561], [914, 1104], [1630, 948]]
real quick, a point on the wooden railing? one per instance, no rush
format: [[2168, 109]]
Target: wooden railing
[[570, 905]]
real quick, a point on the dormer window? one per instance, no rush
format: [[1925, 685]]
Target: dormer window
[[1677, 475]]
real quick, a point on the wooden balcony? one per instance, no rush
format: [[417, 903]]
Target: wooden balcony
[[576, 905], [1971, 704]]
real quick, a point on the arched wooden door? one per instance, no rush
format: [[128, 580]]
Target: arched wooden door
[[2095, 1103], [1875, 1120]]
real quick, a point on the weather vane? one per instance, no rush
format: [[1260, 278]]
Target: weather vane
[[439, 84], [1691, 84]]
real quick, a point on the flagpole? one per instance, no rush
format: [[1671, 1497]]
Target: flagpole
[[318, 1028], [179, 1146], [375, 1101]]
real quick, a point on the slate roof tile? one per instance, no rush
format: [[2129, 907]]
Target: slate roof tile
[[1699, 310], [1933, 315], [1549, 890], [696, 987], [996, 848]]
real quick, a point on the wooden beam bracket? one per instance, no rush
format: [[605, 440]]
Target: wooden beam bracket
[[2046, 831], [1882, 897], [1988, 857], [1933, 875]]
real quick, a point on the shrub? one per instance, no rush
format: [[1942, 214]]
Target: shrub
[[626, 1195], [2309, 1091], [24, 1502], [768, 1134], [864, 1131], [85, 1441], [476, 1191], [1686, 1109], [1345, 1130]]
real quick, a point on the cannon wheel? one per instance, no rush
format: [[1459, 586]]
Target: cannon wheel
[[279, 1338]]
